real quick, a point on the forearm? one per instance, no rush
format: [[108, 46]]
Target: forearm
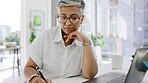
[[28, 71], [89, 68]]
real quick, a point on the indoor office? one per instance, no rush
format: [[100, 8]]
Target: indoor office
[[117, 29]]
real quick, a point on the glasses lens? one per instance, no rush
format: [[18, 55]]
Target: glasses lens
[[62, 18], [74, 18]]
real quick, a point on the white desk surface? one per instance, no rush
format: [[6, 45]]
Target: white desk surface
[[103, 67]]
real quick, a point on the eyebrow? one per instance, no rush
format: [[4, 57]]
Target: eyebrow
[[70, 15], [75, 14], [62, 14]]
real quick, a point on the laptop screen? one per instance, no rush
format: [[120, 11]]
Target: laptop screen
[[138, 68]]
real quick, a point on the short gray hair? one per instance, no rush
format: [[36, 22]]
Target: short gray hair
[[78, 3]]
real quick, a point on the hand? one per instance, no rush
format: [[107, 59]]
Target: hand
[[78, 36], [39, 80], [49, 81]]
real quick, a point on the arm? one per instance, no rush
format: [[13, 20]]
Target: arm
[[30, 70], [89, 65]]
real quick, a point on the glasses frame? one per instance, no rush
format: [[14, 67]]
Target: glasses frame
[[68, 19]]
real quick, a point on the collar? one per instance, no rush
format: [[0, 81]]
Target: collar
[[58, 38]]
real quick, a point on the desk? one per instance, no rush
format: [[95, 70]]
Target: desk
[[104, 67], [15, 49]]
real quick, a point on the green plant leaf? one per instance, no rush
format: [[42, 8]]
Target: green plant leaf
[[97, 40], [101, 44], [32, 37]]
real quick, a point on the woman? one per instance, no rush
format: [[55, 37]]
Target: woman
[[62, 51]]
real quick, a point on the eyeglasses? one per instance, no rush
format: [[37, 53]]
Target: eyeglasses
[[73, 19]]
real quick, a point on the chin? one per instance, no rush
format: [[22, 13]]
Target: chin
[[67, 32]]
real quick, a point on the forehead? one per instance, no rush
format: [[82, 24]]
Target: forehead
[[69, 10]]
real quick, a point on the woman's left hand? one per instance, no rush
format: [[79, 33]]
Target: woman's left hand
[[76, 35]]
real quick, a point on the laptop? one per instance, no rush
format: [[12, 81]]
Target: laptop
[[135, 74]]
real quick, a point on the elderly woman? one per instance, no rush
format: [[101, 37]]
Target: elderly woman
[[62, 51]]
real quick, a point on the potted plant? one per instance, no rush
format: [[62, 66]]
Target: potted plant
[[32, 36], [97, 40], [98, 43]]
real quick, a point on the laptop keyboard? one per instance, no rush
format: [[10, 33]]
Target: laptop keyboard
[[119, 79]]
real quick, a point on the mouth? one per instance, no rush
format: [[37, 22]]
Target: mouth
[[69, 29]]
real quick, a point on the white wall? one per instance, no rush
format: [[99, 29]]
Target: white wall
[[27, 6]]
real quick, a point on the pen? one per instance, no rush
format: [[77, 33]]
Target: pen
[[40, 74]]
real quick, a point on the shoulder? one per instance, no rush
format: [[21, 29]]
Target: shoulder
[[49, 32]]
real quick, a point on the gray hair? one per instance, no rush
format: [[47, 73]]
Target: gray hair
[[78, 3]]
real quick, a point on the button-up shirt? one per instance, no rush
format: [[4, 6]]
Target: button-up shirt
[[55, 59]]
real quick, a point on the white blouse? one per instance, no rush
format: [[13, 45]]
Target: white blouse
[[53, 57]]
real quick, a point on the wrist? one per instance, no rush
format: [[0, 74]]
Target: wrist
[[86, 42], [31, 77]]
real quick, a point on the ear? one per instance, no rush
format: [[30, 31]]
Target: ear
[[82, 18]]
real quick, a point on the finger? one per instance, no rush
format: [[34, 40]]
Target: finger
[[79, 37], [65, 36], [68, 38], [74, 37], [70, 35]]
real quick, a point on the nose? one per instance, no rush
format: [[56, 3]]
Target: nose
[[68, 22]]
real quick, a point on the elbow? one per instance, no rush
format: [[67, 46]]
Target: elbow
[[90, 75]]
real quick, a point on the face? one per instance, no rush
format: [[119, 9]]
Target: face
[[72, 18]]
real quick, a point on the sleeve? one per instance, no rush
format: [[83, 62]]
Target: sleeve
[[35, 50]]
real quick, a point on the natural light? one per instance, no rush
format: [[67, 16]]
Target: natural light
[[10, 24], [10, 14]]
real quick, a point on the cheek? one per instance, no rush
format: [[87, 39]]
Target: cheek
[[77, 26]]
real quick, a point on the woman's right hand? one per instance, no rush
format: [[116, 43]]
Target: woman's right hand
[[39, 80]]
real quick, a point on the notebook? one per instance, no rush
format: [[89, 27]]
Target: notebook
[[135, 74]]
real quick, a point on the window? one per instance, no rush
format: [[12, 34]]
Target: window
[[113, 22], [86, 26]]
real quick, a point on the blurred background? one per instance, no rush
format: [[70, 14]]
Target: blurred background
[[117, 27]]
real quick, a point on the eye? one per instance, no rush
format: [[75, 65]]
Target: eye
[[63, 17], [74, 18]]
